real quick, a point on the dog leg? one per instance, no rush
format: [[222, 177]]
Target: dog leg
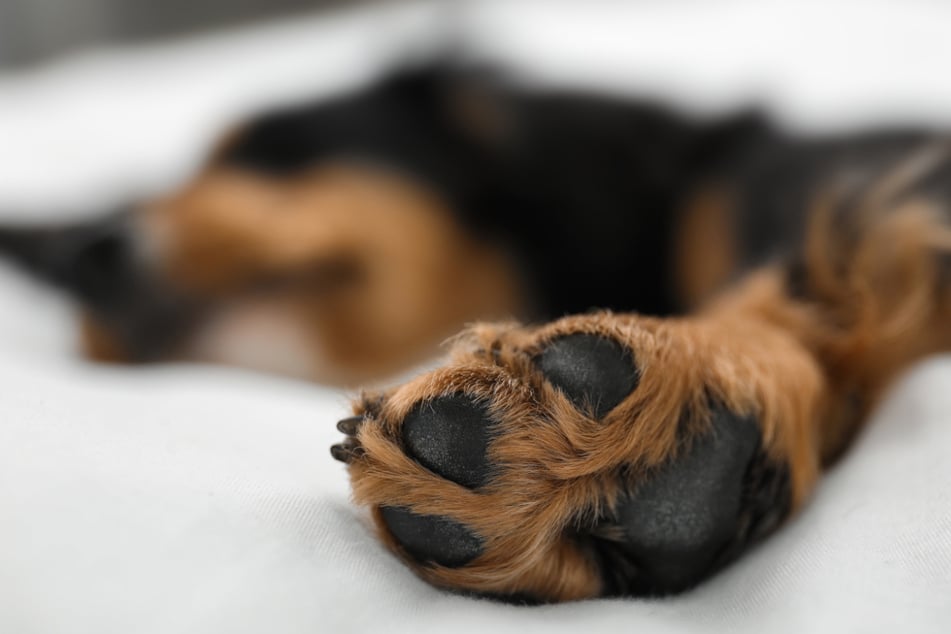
[[611, 454]]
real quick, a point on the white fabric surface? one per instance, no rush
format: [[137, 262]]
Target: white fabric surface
[[194, 499]]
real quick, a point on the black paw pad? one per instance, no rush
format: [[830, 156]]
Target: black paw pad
[[593, 372], [683, 515], [431, 538], [450, 436]]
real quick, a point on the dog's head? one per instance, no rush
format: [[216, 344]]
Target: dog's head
[[323, 241]]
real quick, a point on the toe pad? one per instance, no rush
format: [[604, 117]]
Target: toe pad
[[450, 437], [595, 373], [432, 538], [679, 519]]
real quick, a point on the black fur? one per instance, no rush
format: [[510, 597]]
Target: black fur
[[586, 190], [583, 189]]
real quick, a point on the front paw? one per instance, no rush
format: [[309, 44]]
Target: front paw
[[597, 455]]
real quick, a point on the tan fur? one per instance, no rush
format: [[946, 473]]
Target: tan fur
[[98, 343], [371, 261], [705, 246], [885, 303]]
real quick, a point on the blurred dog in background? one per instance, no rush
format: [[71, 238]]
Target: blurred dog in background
[[754, 294]]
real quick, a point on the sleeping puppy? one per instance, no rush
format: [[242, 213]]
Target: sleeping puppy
[[698, 315]]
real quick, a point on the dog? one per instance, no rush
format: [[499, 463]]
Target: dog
[[669, 324]]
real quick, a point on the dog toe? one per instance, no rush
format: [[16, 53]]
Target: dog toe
[[346, 451], [450, 436], [594, 372], [350, 426], [432, 538]]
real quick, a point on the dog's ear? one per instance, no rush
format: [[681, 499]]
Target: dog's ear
[[90, 260], [472, 100], [481, 108]]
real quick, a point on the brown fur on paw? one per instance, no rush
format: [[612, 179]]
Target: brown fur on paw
[[596, 455]]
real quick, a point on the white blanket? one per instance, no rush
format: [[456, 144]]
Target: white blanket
[[195, 499]]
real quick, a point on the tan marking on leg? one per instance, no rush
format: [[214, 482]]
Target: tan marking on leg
[[706, 246], [883, 298], [98, 343]]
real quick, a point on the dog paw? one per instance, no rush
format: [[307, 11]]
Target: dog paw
[[596, 455]]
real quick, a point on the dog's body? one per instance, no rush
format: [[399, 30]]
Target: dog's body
[[624, 452]]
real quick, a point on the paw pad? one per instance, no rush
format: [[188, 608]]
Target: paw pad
[[592, 371], [432, 538], [450, 437], [679, 519]]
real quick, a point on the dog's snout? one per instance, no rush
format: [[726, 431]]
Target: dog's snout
[[103, 265], [94, 261]]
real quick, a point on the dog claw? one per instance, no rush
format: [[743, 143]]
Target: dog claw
[[346, 451], [341, 453], [350, 426]]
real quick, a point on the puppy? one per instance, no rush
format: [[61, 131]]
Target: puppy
[[711, 307]]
